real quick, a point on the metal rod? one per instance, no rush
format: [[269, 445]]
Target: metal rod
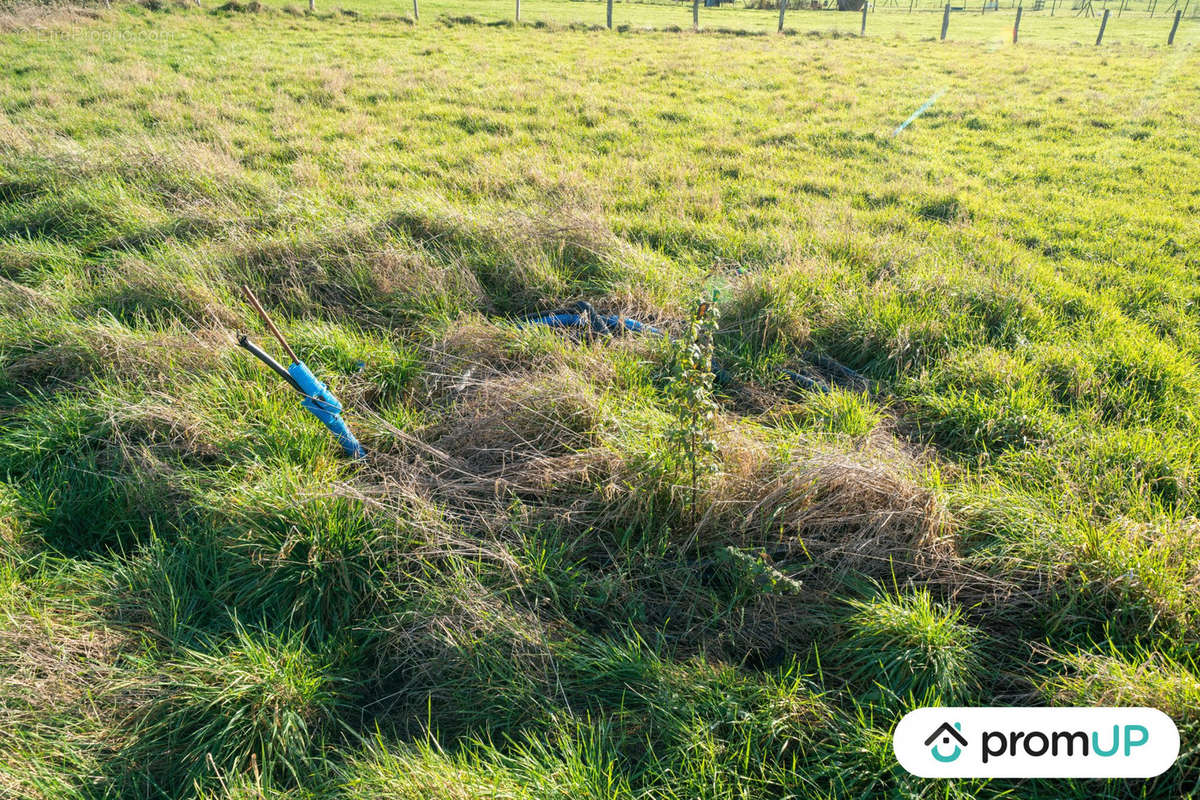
[[263, 356], [270, 325]]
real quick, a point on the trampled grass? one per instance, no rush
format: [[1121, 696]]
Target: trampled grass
[[996, 503]]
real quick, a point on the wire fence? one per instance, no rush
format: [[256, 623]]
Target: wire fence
[[1069, 22]]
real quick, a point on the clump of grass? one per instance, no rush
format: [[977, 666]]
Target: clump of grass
[[1155, 679], [1135, 576], [259, 705], [1137, 677], [907, 646], [234, 7], [11, 529], [52, 352], [71, 468], [860, 512], [299, 555], [59, 702], [573, 760], [457, 641], [841, 412]]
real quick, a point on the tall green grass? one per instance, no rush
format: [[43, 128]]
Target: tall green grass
[[516, 595]]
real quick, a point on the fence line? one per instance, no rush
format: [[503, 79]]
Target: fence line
[[1084, 8]]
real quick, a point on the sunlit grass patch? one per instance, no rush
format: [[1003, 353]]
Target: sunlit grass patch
[[520, 592], [259, 705], [909, 647]]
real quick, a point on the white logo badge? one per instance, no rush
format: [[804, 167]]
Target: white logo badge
[[1036, 742]]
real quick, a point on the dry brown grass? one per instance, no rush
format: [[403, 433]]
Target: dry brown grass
[[851, 510], [45, 16], [398, 269], [92, 349], [475, 350], [509, 420], [58, 670], [52, 661], [18, 299], [143, 432], [500, 438], [539, 435], [1097, 679]]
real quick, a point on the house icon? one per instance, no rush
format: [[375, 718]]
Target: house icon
[[946, 732]]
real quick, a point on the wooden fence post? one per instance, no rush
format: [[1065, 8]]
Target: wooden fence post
[[609, 15], [695, 15], [1174, 27], [945, 21], [782, 8], [1103, 25], [312, 6], [1017, 24], [866, 5], [518, 10]]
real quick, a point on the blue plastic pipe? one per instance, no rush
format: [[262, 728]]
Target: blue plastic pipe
[[585, 317], [597, 323], [321, 403]]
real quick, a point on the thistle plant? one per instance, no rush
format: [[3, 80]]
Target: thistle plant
[[692, 400]]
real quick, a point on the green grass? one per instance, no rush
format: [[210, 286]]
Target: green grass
[[199, 597]]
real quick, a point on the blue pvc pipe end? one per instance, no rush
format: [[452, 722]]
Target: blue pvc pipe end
[[321, 403]]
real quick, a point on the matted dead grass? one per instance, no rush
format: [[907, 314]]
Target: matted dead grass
[[58, 677], [45, 16], [526, 441], [504, 423], [856, 510], [79, 352]]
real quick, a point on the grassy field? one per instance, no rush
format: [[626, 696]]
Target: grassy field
[[519, 594]]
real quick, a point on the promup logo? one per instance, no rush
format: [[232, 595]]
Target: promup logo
[[1036, 742], [946, 732]]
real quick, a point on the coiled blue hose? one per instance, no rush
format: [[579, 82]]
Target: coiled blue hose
[[584, 317]]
